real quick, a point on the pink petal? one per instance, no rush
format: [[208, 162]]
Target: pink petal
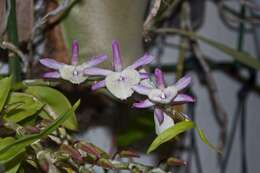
[[182, 98], [95, 61], [143, 104], [51, 63], [159, 115], [183, 82], [117, 60], [160, 82], [144, 60], [75, 52], [141, 89], [54, 74], [96, 71], [98, 85], [144, 75]]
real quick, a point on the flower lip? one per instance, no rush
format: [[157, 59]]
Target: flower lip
[[163, 96], [164, 125], [74, 74], [120, 84]]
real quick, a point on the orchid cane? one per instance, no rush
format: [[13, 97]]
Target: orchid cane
[[73, 72], [160, 96], [120, 81]]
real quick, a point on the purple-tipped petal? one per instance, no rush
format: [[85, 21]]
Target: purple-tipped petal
[[140, 89], [144, 60], [159, 115], [51, 63], [144, 75], [117, 60], [98, 85], [96, 71], [183, 82], [53, 74], [95, 61], [74, 52], [182, 98], [143, 104], [160, 82]]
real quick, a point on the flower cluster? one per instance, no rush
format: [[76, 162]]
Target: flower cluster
[[123, 82], [161, 96]]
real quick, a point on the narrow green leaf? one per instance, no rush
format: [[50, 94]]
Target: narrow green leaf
[[56, 100], [5, 85], [10, 151], [4, 142], [170, 133], [241, 57], [205, 140]]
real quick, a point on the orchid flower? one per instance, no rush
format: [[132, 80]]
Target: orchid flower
[[119, 81], [73, 72], [160, 96]]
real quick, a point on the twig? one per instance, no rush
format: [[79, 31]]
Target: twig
[[220, 113], [150, 18], [170, 9], [16, 50], [62, 7]]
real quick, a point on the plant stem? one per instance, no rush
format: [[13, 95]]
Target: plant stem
[[14, 61]]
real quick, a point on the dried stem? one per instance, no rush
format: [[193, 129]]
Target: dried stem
[[16, 50], [61, 8], [150, 18], [220, 114]]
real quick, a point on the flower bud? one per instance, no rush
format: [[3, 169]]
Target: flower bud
[[176, 162]]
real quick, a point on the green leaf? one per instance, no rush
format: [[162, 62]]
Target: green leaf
[[56, 100], [5, 85], [13, 169], [27, 107], [4, 142], [205, 140], [170, 133], [9, 152], [242, 57]]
